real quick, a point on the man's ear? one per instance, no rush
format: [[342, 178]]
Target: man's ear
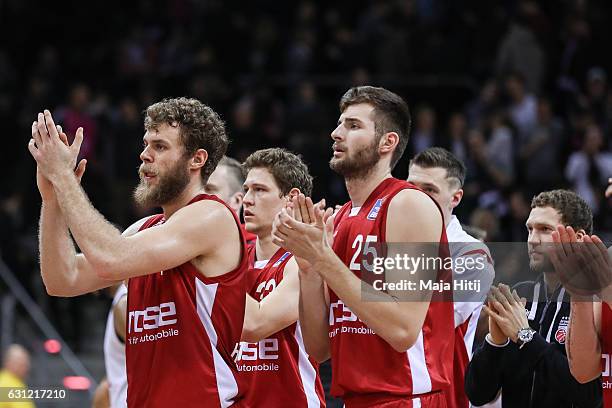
[[456, 198], [294, 192], [580, 235], [236, 200], [199, 159], [388, 142]]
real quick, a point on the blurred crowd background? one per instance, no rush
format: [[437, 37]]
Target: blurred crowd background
[[519, 90]]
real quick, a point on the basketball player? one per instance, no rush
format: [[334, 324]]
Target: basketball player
[[589, 336], [382, 350], [185, 267], [272, 360], [226, 183], [441, 175]]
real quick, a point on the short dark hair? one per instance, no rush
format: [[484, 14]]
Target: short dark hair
[[288, 169], [235, 170], [199, 126], [391, 113], [440, 157], [574, 211]]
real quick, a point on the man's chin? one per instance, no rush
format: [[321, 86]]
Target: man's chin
[[334, 163], [540, 266], [250, 227], [341, 166], [534, 265], [144, 196]]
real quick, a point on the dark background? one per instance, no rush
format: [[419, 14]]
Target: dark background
[[518, 86]]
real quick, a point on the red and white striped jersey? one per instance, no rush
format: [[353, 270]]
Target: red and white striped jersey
[[366, 370], [467, 307], [276, 371], [181, 330]]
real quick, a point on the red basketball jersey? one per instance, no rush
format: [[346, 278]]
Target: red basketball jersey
[[181, 330], [366, 370], [462, 356], [276, 371], [606, 353], [467, 307]]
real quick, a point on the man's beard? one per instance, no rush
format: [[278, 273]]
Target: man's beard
[[360, 164], [169, 187], [544, 265]]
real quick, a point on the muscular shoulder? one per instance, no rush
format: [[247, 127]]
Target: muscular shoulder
[[204, 214], [291, 268], [202, 226], [413, 216]]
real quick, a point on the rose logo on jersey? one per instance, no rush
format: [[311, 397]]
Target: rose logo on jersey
[[374, 211], [561, 332], [152, 317], [340, 314], [249, 356]]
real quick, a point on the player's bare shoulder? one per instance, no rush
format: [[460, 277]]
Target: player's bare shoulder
[[205, 218], [214, 226], [413, 216]]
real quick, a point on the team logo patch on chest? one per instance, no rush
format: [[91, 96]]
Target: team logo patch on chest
[[281, 259], [561, 332], [375, 209]]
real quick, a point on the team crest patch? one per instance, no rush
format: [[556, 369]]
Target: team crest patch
[[561, 332], [374, 211], [281, 259]]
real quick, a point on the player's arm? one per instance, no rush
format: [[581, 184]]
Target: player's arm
[[114, 257], [412, 218], [119, 317], [276, 311], [183, 237], [314, 315], [582, 344], [64, 272], [101, 398]]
